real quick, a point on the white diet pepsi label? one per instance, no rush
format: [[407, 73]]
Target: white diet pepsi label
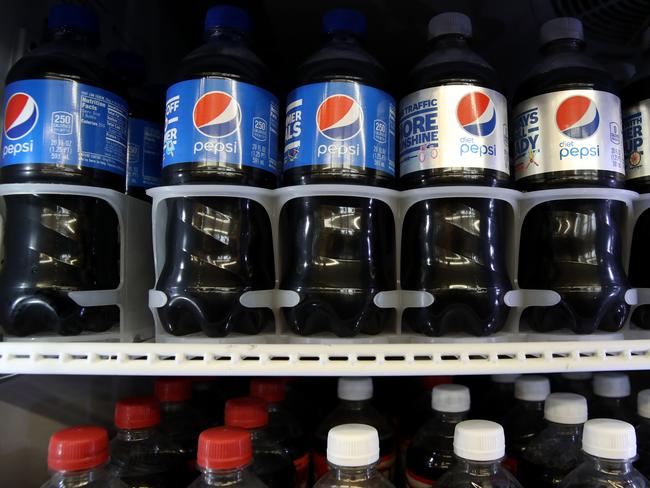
[[453, 126], [636, 128], [566, 131]]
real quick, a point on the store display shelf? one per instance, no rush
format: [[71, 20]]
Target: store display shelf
[[339, 359]]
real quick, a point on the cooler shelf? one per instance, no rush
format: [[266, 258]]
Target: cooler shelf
[[323, 360]]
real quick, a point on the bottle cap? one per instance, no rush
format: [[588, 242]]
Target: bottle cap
[[643, 404], [504, 378], [271, 390], [611, 385], [561, 28], [246, 413], [77, 448], [578, 376], [609, 439], [353, 445], [479, 440], [224, 448], [137, 413], [646, 39], [73, 16], [450, 23], [565, 408], [450, 398], [227, 16], [355, 389], [173, 390], [532, 388], [344, 19]]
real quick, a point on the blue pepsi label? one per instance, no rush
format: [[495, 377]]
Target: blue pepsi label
[[65, 123], [340, 125], [144, 156], [217, 122]]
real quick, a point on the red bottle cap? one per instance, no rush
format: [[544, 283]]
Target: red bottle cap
[[246, 413], [173, 390], [137, 413], [224, 448], [270, 389], [77, 448]]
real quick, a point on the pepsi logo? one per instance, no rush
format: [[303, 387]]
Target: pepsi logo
[[577, 117], [476, 114], [216, 114], [339, 117], [21, 115]]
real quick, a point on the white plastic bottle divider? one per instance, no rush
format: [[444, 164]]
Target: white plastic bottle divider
[[399, 202], [136, 270]]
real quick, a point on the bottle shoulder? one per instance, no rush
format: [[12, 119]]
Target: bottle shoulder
[[375, 480], [586, 476], [460, 478]]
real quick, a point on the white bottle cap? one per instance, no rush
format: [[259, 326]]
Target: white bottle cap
[[355, 389], [479, 440], [561, 28], [504, 378], [450, 23], [532, 388], [578, 375], [450, 398], [609, 439], [353, 445], [643, 404], [565, 408], [612, 385]]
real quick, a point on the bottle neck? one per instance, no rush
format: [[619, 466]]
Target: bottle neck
[[222, 477], [133, 435], [531, 406], [75, 479], [342, 37], [611, 467], [478, 468], [172, 407], [566, 430], [562, 46], [226, 34], [449, 41], [355, 404], [450, 417], [353, 474], [72, 35]]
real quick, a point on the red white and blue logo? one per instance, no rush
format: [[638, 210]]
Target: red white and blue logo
[[577, 117], [216, 114], [21, 115], [339, 117], [476, 113]]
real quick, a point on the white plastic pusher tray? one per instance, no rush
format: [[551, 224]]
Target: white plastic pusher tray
[[518, 299], [136, 269]]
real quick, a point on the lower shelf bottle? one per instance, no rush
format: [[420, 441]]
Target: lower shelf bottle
[[643, 432], [611, 397]]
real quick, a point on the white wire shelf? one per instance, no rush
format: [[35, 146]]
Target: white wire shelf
[[322, 359]]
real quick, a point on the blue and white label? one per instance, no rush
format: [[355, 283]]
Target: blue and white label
[[340, 125], [144, 156], [636, 131], [64, 123], [220, 122]]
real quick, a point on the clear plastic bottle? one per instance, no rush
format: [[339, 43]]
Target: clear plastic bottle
[[283, 426], [609, 448], [431, 452], [526, 419], [498, 398], [78, 457], [353, 455], [479, 446], [643, 432], [225, 455], [555, 451], [141, 455], [271, 460], [355, 395], [612, 398]]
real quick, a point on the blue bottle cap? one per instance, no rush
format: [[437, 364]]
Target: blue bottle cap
[[73, 16], [561, 28], [227, 16], [344, 19]]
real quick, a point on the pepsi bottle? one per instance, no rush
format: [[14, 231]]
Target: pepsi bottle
[[63, 123], [221, 127], [453, 131], [566, 132], [636, 132], [337, 253]]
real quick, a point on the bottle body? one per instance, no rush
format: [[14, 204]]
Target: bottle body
[[522, 423], [364, 476], [612, 408], [643, 446], [475, 474], [284, 427], [272, 462], [180, 426]]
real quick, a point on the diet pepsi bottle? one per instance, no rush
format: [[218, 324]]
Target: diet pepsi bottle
[[566, 132], [453, 131], [340, 128], [63, 123], [221, 126]]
